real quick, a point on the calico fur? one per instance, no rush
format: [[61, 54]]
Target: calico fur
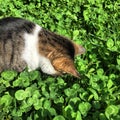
[[23, 43]]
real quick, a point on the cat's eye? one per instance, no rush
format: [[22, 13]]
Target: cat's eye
[[64, 72]]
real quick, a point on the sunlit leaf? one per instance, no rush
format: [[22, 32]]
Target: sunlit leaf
[[94, 92], [6, 100], [110, 84], [102, 116], [84, 107], [47, 104], [20, 95], [59, 117], [78, 117], [9, 75], [52, 111], [111, 110], [110, 43]]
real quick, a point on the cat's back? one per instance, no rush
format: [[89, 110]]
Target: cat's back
[[17, 25], [12, 32]]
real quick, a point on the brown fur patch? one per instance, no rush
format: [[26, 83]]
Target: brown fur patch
[[65, 65], [52, 45]]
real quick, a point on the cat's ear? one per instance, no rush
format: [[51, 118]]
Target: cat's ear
[[65, 65], [79, 49]]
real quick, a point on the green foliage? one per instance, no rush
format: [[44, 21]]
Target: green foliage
[[96, 96]]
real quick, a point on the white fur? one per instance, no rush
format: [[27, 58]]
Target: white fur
[[32, 56]]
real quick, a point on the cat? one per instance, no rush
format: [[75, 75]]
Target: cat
[[26, 44]]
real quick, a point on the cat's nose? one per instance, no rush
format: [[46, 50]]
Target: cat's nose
[[76, 74]]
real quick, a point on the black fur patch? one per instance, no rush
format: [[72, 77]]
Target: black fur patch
[[10, 25]]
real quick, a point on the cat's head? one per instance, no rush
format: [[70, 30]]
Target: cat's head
[[65, 64], [60, 51]]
